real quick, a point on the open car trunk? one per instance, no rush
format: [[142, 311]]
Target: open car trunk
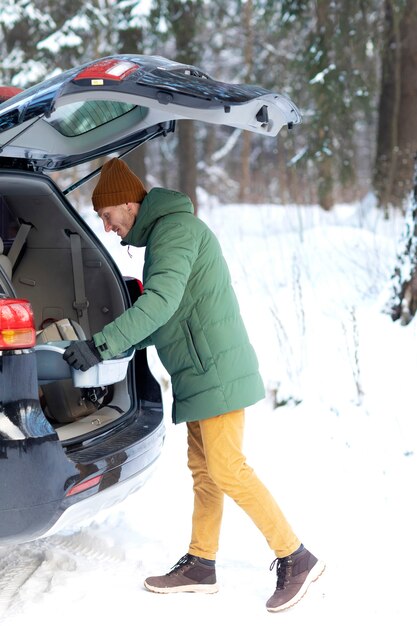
[[121, 101], [74, 287]]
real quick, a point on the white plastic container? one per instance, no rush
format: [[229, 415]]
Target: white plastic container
[[52, 367], [105, 373]]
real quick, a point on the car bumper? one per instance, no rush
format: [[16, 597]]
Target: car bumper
[[82, 513], [121, 464], [35, 475]]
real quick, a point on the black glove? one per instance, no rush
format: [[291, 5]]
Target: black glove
[[82, 355]]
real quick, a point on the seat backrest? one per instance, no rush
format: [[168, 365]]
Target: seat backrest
[[5, 261]]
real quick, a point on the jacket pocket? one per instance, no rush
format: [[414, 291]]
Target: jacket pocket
[[192, 349]]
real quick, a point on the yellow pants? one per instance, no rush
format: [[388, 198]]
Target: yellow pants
[[218, 466]]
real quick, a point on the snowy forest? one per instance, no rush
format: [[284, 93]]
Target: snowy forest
[[349, 66], [319, 228]]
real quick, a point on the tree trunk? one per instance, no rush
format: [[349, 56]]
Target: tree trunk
[[325, 180], [131, 38], [184, 16], [245, 173], [403, 303], [397, 124], [245, 177], [387, 137], [136, 161], [325, 195], [187, 160], [407, 118]]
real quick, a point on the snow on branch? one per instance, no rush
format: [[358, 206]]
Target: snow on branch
[[228, 146]]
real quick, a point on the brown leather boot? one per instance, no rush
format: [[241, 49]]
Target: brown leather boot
[[189, 574], [294, 575]]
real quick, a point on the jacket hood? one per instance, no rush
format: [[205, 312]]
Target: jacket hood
[[156, 204]]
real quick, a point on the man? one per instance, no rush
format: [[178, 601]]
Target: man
[[189, 311]]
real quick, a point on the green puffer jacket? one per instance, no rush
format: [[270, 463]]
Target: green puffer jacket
[[188, 310]]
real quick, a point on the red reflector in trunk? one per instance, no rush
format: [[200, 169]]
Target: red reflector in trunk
[[106, 70], [83, 486], [17, 327]]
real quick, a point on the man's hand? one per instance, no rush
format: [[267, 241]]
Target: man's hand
[[82, 355]]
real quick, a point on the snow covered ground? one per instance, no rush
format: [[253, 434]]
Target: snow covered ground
[[340, 456]]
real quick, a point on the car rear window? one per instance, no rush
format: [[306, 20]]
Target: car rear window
[[78, 118]]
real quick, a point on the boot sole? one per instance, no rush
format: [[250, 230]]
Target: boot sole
[[313, 575], [214, 588]]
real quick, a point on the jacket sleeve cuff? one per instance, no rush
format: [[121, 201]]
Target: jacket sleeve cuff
[[102, 347]]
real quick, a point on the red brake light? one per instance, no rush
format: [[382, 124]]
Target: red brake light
[[8, 92], [102, 72], [17, 327]]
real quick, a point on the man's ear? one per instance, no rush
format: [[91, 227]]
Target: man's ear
[[133, 207]]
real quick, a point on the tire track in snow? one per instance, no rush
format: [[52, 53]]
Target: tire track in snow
[[15, 570], [88, 546], [30, 570]]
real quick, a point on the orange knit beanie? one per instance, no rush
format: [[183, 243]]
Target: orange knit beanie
[[117, 184]]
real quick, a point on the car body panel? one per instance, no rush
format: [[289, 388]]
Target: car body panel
[[38, 476], [34, 469]]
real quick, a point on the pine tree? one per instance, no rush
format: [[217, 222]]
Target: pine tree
[[334, 82], [22, 24]]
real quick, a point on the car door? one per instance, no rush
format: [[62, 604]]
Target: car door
[[122, 101]]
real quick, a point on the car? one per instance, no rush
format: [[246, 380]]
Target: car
[[74, 442]]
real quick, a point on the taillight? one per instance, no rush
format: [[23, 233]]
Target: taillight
[[17, 327], [8, 92], [84, 485], [105, 72]]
